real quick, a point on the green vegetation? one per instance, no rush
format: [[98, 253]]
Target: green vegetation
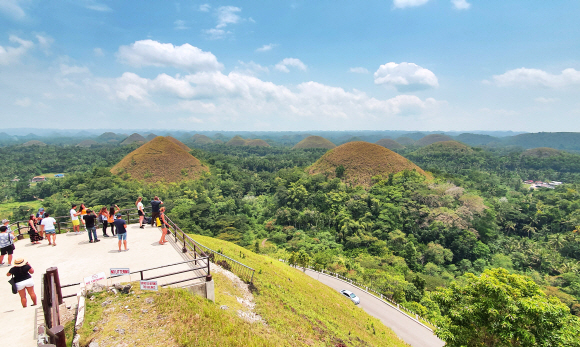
[[315, 142]]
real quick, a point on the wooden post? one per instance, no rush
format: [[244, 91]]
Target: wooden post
[[53, 271], [58, 224], [57, 336]]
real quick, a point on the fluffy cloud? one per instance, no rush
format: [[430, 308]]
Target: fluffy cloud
[[460, 4], [73, 70], [408, 3], [180, 25], [216, 34], [537, 78], [358, 70], [12, 9], [284, 64], [204, 8], [251, 68], [227, 15], [98, 52], [153, 53], [266, 48], [45, 42], [9, 55], [405, 77]]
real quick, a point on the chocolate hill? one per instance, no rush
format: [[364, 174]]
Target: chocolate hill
[[110, 137], [542, 152], [429, 139], [446, 148], [405, 141], [150, 137], [201, 139], [160, 159], [236, 141], [177, 142], [361, 161], [390, 144], [257, 143], [314, 142], [134, 138], [87, 143], [34, 143]]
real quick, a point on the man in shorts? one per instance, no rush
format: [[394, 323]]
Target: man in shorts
[[48, 222], [155, 205], [6, 223], [90, 219], [6, 245], [39, 217], [121, 226], [74, 216]]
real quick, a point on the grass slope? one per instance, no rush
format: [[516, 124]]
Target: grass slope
[[542, 152], [87, 143], [134, 138], [160, 159], [390, 144], [429, 139], [179, 143], [257, 143], [314, 142], [34, 143], [361, 161], [405, 141], [201, 139]]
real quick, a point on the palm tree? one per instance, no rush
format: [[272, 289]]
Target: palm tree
[[530, 229]]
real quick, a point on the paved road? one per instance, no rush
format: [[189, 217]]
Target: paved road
[[406, 328]]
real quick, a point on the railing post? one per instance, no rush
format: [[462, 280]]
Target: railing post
[[128, 218], [184, 249], [141, 272], [58, 225]]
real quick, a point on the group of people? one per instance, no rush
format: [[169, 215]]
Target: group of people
[[42, 225]]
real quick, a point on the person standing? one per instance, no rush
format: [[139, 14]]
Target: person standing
[[83, 211], [39, 216], [24, 282], [90, 219], [48, 222], [32, 232], [121, 226], [6, 245], [74, 216], [155, 206], [140, 211], [114, 209], [6, 223], [164, 225], [104, 218]]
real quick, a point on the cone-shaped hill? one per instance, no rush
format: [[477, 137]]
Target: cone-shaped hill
[[110, 137], [134, 138], [405, 141], [87, 143], [150, 137], [314, 142], [201, 139], [429, 139], [236, 141], [257, 143], [34, 143], [218, 142], [390, 144], [160, 159], [179, 143], [361, 161], [542, 152], [447, 148]]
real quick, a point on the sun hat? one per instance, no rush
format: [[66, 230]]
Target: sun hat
[[19, 262], [41, 209], [5, 221]]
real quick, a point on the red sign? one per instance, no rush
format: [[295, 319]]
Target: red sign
[[94, 278], [149, 285], [119, 272]]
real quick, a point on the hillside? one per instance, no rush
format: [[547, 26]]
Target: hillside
[[110, 137], [160, 159], [236, 141], [361, 161], [353, 139], [429, 139], [314, 142], [476, 139], [134, 138], [87, 143], [257, 143], [390, 144], [201, 139], [34, 143], [179, 143], [405, 141], [542, 152], [150, 137], [559, 140]]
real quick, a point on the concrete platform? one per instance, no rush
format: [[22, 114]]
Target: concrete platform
[[76, 259]]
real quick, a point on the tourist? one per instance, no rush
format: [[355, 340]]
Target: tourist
[[140, 212], [104, 219], [6, 244], [164, 225], [83, 211], [48, 222], [90, 219], [6, 223], [74, 216], [24, 282], [155, 205], [121, 227], [39, 216], [32, 232], [114, 209]]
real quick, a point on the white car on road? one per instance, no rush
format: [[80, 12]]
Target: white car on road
[[351, 296]]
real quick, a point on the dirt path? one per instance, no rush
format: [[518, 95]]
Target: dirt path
[[264, 242]]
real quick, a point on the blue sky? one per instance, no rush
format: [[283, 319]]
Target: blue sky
[[291, 65]]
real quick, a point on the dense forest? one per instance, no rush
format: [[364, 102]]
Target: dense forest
[[406, 236]]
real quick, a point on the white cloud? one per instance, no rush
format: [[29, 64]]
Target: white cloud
[[358, 70], [408, 3], [98, 52], [24, 102], [9, 54], [12, 8], [227, 15], [180, 25], [283, 65], [524, 77], [266, 48], [96, 6], [405, 77], [153, 53], [460, 4], [251, 68], [130, 85], [73, 70], [204, 8], [543, 100], [45, 42], [216, 34]]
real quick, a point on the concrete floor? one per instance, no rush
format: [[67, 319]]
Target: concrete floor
[[75, 259]]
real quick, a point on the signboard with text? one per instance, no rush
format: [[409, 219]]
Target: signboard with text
[[119, 272], [149, 285], [94, 278]]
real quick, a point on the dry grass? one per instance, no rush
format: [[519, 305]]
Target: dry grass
[[542, 152], [390, 144], [257, 143], [201, 139], [429, 139], [236, 141], [179, 143], [362, 161], [160, 159], [315, 142], [134, 138]]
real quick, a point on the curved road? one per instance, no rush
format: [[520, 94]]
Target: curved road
[[406, 328]]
